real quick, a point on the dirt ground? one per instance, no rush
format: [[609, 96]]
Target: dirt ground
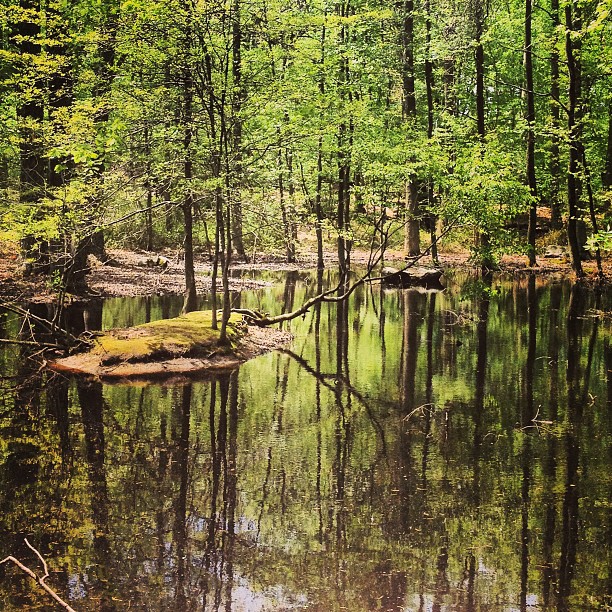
[[135, 273]]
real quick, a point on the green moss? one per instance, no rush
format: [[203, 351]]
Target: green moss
[[189, 335]]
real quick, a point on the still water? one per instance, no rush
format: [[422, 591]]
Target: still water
[[409, 451]]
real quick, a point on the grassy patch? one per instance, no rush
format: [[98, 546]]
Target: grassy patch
[[189, 335]]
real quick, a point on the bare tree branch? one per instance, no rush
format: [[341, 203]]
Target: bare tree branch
[[39, 579], [376, 255]]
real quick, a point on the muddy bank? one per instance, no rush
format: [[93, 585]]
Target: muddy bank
[[131, 273]]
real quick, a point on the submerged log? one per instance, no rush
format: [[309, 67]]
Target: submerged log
[[170, 347], [418, 276]]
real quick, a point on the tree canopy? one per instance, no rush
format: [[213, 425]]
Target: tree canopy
[[234, 126]]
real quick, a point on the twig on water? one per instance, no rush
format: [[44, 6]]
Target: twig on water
[[39, 579]]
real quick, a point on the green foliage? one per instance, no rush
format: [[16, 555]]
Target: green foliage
[[95, 94]]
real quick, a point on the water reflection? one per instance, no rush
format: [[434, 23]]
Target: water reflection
[[410, 451]]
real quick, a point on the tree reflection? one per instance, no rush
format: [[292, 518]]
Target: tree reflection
[[526, 422], [181, 472], [550, 463], [92, 415], [484, 301], [300, 482]]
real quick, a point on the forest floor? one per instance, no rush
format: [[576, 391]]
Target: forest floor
[[136, 273]]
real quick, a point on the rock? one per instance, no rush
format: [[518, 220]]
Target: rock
[[416, 276]]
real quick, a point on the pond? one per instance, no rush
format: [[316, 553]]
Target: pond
[[408, 451]]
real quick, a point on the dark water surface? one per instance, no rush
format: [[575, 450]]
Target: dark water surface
[[411, 451]]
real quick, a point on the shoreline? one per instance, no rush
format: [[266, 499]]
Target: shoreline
[[131, 273]]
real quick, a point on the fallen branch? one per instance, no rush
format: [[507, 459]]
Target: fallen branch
[[48, 345], [65, 340], [37, 578], [328, 296]]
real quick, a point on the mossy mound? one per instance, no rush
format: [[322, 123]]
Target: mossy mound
[[170, 347], [189, 335]]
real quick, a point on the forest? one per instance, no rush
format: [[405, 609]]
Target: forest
[[221, 186], [234, 128]]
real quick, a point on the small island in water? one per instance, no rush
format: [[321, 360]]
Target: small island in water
[[171, 347]]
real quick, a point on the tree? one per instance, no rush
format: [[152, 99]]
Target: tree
[[530, 119], [574, 116]]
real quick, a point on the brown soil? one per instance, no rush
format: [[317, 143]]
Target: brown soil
[[132, 273]]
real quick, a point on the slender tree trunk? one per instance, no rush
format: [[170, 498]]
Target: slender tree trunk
[[607, 175], [344, 153], [429, 85], [412, 243], [530, 118], [225, 253], [149, 188], [555, 93], [237, 103], [285, 211], [166, 182], [318, 196], [592, 212], [225, 220], [189, 303], [215, 264], [30, 115], [573, 125], [293, 226], [318, 207], [407, 41], [482, 237]]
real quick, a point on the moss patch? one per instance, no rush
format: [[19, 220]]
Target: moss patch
[[189, 335], [171, 348]]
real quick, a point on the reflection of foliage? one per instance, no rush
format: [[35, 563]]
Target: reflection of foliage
[[476, 288], [339, 490]]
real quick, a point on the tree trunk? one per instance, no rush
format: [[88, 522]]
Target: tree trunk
[[592, 212], [293, 226], [412, 243], [429, 85], [149, 188], [482, 238], [318, 196], [407, 41], [285, 212], [573, 126], [30, 115], [530, 118], [189, 303], [318, 207], [607, 175], [555, 92], [344, 154], [237, 102]]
